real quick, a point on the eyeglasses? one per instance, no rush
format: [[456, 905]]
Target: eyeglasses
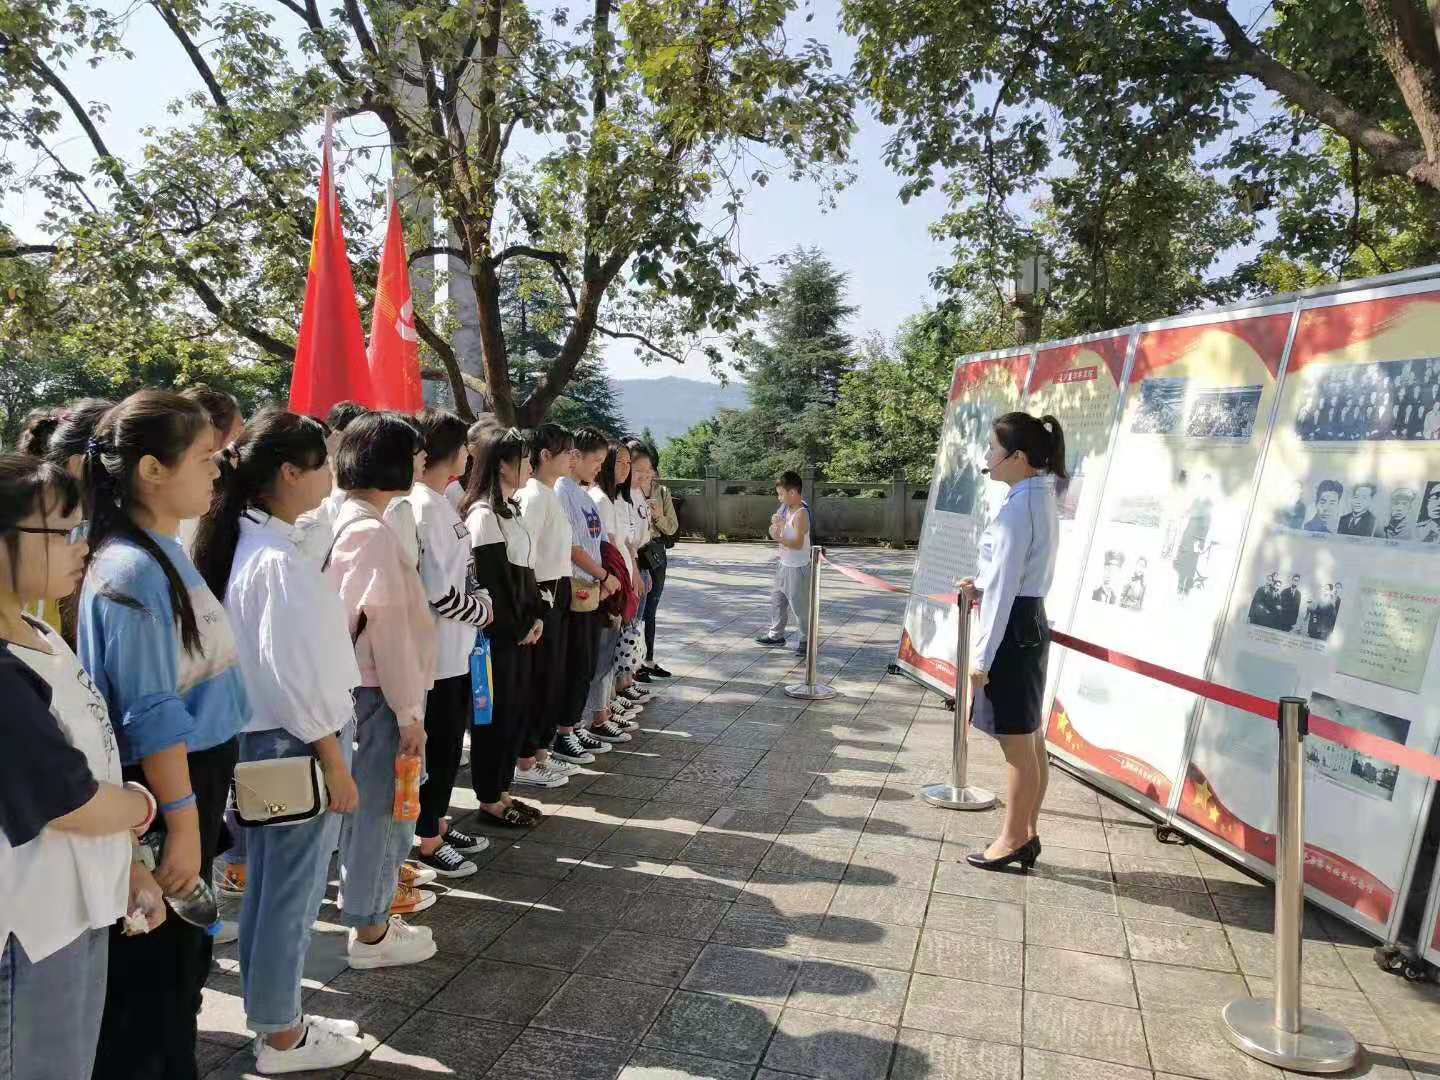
[[72, 536]]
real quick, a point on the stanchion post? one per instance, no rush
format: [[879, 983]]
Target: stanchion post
[[812, 689], [1279, 1031], [956, 795]]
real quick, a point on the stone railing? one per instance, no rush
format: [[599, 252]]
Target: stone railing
[[714, 508]]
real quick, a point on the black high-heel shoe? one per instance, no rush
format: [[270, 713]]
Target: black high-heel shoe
[[1024, 857]]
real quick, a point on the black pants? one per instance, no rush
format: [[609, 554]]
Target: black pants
[[447, 715], [582, 641], [494, 747], [152, 997], [652, 605], [547, 670]]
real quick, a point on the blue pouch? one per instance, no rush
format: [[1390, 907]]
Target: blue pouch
[[482, 702]]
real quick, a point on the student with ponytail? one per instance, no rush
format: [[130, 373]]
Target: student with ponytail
[[300, 672], [158, 646], [1012, 640]]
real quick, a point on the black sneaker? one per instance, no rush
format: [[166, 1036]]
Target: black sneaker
[[590, 743], [464, 843], [569, 747], [609, 732], [641, 675], [447, 862], [769, 639], [655, 671]]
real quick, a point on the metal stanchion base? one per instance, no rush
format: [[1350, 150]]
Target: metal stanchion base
[[953, 798], [1320, 1046], [811, 691]]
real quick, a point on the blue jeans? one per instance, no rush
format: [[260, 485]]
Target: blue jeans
[[372, 843], [603, 683], [50, 1011], [288, 867]]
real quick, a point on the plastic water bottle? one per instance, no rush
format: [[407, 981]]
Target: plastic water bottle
[[407, 788], [197, 905]]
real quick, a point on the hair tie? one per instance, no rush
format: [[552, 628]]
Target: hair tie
[[94, 446]]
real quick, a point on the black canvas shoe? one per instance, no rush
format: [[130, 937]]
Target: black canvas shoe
[[447, 862], [464, 843], [655, 671]]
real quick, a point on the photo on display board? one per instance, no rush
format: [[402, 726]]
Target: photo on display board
[[1391, 401], [1223, 413], [1364, 510], [1121, 585], [1427, 526], [1350, 768], [1286, 601], [1162, 405], [965, 441]]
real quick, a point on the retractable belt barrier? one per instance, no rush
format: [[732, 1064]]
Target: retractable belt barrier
[[1275, 1030]]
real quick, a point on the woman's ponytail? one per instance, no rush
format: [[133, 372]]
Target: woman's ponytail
[[1056, 462]]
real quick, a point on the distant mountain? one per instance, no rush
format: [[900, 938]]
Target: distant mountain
[[672, 405]]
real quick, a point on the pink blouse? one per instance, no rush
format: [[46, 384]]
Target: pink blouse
[[396, 647]]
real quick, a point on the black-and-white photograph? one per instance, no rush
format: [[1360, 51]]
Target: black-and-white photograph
[[1404, 513], [1325, 506], [1112, 579], [1286, 601], [1427, 527], [1223, 413], [1355, 770], [1391, 401], [1146, 511], [1162, 406], [1132, 593], [1359, 516], [965, 441]]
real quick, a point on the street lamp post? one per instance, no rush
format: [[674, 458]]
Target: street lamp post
[[1027, 291]]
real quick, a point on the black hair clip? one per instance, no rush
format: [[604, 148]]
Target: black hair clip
[[94, 446]]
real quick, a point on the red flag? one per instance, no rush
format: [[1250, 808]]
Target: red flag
[[394, 346], [330, 363]]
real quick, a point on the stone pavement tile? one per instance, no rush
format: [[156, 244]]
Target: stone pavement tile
[[1378, 1063], [636, 839], [650, 766], [908, 816], [600, 1008], [927, 1055], [431, 1042], [222, 1012], [463, 925], [831, 806], [786, 781], [1151, 873], [501, 993], [1073, 832], [1382, 985], [977, 959], [1256, 911], [845, 938], [759, 799], [1080, 892], [675, 915], [516, 889], [969, 915], [1187, 946], [915, 847], [643, 958], [1073, 864], [570, 832], [1085, 1028], [748, 973], [755, 928], [652, 1064], [962, 879], [539, 860], [740, 822], [969, 1009], [617, 870], [672, 816], [1224, 879], [1320, 963], [887, 904], [967, 827], [1186, 991], [707, 882], [717, 1027], [1081, 930], [1350, 1008], [1198, 1047], [1166, 905], [630, 787], [811, 1044], [377, 1017], [543, 940], [1117, 813], [1047, 1065], [1414, 1024], [690, 793], [553, 1055], [718, 774], [883, 868], [725, 849], [786, 894], [821, 831], [1086, 976], [210, 1056], [414, 983], [1126, 840], [599, 905], [716, 754], [1423, 1066], [798, 858], [853, 990]]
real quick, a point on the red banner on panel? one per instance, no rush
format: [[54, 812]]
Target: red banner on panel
[[970, 375], [1265, 334], [1051, 365], [1328, 329]]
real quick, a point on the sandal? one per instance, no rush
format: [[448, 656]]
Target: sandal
[[529, 809], [512, 815]]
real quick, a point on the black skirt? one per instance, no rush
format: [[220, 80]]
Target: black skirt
[[1010, 702]]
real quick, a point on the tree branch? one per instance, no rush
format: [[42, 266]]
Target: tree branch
[[440, 249], [623, 334], [17, 250], [457, 378]]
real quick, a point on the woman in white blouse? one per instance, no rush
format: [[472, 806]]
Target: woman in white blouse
[[1012, 640], [299, 667]]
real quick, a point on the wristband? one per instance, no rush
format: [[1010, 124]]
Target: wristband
[[152, 808], [183, 803]]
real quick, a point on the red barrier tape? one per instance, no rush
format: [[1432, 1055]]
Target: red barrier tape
[[1361, 741]]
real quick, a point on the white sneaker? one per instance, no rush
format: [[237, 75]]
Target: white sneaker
[[402, 944], [340, 1027], [322, 1048], [564, 768], [541, 776]]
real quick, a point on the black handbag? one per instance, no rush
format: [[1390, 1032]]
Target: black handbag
[[652, 555]]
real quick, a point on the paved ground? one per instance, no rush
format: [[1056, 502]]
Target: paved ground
[[751, 890]]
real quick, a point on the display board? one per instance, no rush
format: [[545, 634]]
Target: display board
[[1079, 384], [961, 504], [1430, 926], [1172, 516], [1337, 601]]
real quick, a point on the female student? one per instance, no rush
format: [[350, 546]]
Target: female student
[[504, 554], [158, 646], [633, 516], [388, 621], [67, 826], [545, 520], [603, 725], [299, 671], [458, 612], [645, 482], [1017, 564]]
